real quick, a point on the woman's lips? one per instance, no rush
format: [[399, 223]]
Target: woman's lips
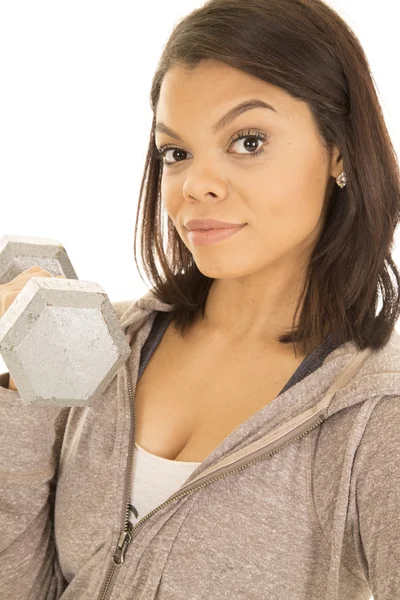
[[206, 237]]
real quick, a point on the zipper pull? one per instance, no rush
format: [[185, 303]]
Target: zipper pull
[[124, 540]]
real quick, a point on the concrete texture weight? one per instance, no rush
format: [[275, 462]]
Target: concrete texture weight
[[60, 339]]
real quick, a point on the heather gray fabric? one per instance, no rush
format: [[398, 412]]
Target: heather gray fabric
[[314, 518]]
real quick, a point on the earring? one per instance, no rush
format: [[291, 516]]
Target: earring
[[341, 180]]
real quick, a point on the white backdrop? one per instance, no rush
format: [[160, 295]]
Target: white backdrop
[[75, 119]]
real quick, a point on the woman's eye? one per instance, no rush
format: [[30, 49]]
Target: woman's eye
[[251, 143]]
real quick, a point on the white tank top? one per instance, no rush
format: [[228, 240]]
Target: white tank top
[[155, 480]]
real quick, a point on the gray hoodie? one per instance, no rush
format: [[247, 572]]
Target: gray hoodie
[[300, 502]]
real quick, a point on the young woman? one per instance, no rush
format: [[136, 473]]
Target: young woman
[[250, 447]]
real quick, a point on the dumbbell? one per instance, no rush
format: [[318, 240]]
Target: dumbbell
[[60, 338]]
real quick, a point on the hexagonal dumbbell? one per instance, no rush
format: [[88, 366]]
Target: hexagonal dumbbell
[[61, 338]]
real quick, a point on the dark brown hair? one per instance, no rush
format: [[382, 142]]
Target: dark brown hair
[[308, 50]]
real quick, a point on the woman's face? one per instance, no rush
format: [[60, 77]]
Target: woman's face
[[277, 185]]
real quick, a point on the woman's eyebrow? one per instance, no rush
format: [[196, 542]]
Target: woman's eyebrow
[[225, 120]]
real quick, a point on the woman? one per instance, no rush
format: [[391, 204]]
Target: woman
[[250, 447]]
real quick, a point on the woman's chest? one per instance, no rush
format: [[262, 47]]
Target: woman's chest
[[189, 399]]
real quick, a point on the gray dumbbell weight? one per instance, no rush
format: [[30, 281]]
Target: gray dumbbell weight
[[61, 338]]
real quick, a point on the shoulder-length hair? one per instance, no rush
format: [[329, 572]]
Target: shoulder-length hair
[[305, 48]]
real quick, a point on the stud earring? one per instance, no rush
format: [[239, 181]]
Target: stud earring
[[341, 180]]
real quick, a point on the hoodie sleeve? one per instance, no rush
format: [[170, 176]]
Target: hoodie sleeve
[[30, 441], [31, 438], [378, 499]]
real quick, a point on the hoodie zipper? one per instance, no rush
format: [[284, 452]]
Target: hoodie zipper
[[261, 451]]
